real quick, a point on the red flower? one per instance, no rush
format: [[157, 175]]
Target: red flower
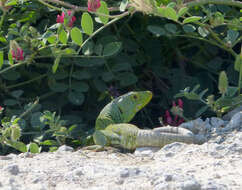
[[60, 18], [177, 120], [18, 56], [93, 5], [1, 109]]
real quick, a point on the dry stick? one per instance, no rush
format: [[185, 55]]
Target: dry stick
[[49, 5], [101, 28], [35, 103], [75, 7], [219, 2]]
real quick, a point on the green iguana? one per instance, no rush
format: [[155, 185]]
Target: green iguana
[[112, 128]]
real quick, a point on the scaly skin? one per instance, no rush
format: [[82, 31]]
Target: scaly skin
[[112, 128]]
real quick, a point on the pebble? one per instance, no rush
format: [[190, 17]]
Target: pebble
[[12, 169]]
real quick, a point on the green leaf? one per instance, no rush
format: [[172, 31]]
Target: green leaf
[[63, 36], [170, 13], [196, 88], [52, 39], [49, 143], [58, 87], [156, 30], [10, 58], [188, 28], [182, 11], [98, 49], [121, 66], [80, 75], [127, 78], [201, 111], [231, 91], [201, 94], [100, 85], [203, 31], [191, 96], [172, 28], [87, 62], [1, 59], [10, 102], [76, 36], [103, 10], [15, 132], [11, 75], [108, 76], [35, 120], [61, 74], [191, 19], [171, 4], [87, 49], [17, 145], [68, 51], [56, 64], [17, 93], [112, 48], [3, 39], [34, 148], [238, 63], [80, 86], [232, 36], [123, 5], [87, 23], [223, 83], [76, 98]]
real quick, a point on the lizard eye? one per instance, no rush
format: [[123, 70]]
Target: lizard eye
[[135, 97]]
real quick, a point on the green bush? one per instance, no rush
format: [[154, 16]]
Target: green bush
[[56, 77]]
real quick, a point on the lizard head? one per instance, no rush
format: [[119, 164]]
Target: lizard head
[[129, 104]]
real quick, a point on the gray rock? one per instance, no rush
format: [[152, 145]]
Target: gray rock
[[197, 126], [129, 172], [191, 184], [65, 148], [146, 151], [12, 169], [214, 186], [168, 177], [163, 186], [235, 123], [78, 172], [230, 114]]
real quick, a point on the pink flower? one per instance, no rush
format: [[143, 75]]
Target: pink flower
[[177, 120], [180, 103], [168, 118], [93, 5], [60, 18], [18, 56]]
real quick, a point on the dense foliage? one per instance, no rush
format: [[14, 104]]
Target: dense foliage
[[61, 62]]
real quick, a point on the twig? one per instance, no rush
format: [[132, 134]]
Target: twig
[[218, 2], [30, 108], [75, 7], [101, 28]]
